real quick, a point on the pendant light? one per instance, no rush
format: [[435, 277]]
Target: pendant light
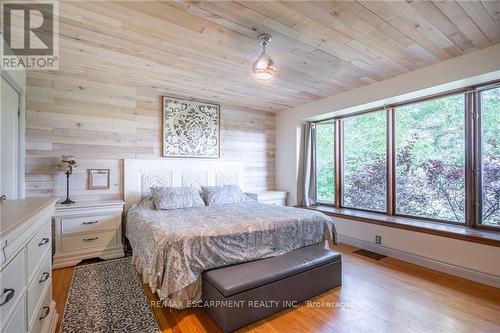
[[263, 68]]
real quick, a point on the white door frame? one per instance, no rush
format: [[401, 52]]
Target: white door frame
[[7, 78]]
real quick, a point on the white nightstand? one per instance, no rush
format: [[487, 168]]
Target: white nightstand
[[269, 197], [87, 230]]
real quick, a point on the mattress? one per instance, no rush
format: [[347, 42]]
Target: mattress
[[171, 248]]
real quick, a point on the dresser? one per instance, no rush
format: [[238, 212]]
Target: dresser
[[269, 197], [26, 303], [87, 230]]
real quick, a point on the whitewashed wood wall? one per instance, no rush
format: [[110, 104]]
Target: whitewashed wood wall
[[102, 122]]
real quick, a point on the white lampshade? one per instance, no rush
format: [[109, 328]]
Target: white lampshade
[[264, 67]]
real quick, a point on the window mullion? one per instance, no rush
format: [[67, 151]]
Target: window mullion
[[470, 160], [391, 163], [476, 160], [339, 156]]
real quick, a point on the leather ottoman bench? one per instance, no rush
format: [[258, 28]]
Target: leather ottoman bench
[[237, 295]]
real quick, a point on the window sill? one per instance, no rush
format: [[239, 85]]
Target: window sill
[[434, 228]]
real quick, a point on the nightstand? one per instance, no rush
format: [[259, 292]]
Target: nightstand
[[86, 230], [269, 197]]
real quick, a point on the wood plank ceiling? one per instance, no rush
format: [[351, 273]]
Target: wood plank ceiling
[[205, 49]]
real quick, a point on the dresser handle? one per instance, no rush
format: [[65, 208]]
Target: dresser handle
[[92, 222], [45, 277], [46, 309], [43, 241], [9, 295], [90, 239]]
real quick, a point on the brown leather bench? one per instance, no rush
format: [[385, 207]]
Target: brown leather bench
[[238, 295]]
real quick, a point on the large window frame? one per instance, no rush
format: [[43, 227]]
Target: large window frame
[[342, 161], [473, 158]]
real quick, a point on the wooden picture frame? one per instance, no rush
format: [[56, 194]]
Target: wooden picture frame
[[190, 129], [99, 179]]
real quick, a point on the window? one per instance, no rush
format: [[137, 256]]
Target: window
[[436, 158], [490, 157], [430, 159], [364, 183], [325, 162]]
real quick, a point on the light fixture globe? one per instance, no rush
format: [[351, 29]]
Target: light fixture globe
[[263, 68]]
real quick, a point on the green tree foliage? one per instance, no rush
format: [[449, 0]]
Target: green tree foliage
[[325, 167], [430, 159], [490, 102], [365, 161]]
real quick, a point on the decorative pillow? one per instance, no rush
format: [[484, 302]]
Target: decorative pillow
[[214, 195], [176, 197]]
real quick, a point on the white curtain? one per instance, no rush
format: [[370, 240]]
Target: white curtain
[[309, 151]]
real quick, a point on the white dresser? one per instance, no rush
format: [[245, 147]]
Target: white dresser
[[269, 197], [87, 230], [26, 303]]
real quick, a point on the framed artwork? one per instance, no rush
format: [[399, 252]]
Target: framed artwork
[[98, 179], [190, 129]]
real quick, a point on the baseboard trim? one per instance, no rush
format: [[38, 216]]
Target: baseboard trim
[[466, 273]]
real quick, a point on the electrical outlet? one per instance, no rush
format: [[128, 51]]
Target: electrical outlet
[[378, 239]]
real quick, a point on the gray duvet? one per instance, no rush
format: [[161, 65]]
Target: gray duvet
[[171, 248]]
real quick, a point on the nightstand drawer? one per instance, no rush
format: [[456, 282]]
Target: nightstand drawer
[[279, 202], [269, 197], [88, 240], [89, 224]]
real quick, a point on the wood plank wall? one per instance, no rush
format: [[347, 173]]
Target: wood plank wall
[[102, 121]]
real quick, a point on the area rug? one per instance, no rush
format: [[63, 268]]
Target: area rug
[[107, 297]]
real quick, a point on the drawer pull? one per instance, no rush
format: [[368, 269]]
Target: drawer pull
[[45, 277], [10, 293], [90, 239], [43, 241], [46, 311], [91, 222]]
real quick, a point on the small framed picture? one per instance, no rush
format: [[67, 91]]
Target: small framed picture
[[98, 179]]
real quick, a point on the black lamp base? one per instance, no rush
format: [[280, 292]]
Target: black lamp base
[[67, 202]]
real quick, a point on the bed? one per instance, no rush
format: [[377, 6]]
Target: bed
[[171, 248]]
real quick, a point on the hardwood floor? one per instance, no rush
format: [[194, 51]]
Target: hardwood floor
[[376, 296]]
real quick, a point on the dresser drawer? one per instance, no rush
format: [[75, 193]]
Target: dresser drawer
[[88, 240], [38, 247], [17, 322], [89, 224], [42, 313], [12, 282], [37, 286]]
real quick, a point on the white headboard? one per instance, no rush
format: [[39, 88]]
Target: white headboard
[[140, 175]]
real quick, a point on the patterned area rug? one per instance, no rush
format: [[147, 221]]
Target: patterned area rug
[[107, 297]]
